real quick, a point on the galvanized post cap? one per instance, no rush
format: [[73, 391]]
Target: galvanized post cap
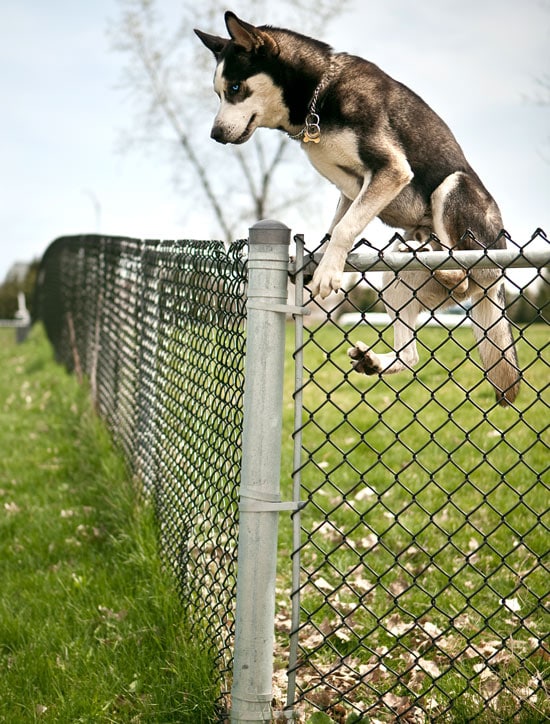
[[269, 231]]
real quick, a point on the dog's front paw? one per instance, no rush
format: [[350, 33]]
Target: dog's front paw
[[414, 245], [328, 276], [363, 360], [454, 279], [325, 282]]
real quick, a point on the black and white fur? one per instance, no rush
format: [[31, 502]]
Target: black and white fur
[[391, 157]]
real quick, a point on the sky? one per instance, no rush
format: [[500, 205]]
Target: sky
[[62, 170]]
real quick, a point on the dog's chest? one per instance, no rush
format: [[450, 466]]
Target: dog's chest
[[336, 158]]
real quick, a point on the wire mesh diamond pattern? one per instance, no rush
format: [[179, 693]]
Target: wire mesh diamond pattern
[[424, 541], [158, 328]]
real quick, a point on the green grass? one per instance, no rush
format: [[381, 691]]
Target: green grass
[[91, 628], [427, 508]]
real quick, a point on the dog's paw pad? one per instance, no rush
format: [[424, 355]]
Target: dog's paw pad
[[454, 279], [414, 245], [363, 360]]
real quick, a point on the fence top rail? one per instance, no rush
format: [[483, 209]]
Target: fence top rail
[[374, 260]]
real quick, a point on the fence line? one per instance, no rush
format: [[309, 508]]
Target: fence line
[[158, 328], [418, 525]]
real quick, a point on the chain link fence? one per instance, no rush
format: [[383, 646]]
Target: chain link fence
[[419, 537], [421, 555], [158, 329]]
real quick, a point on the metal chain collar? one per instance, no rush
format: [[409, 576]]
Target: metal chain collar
[[311, 132]]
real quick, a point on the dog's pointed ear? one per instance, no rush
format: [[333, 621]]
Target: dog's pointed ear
[[248, 36], [212, 42]]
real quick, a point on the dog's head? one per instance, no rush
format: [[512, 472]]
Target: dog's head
[[249, 95]]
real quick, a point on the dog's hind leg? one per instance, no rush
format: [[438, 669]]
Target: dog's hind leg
[[461, 204], [495, 342], [448, 231], [403, 308]]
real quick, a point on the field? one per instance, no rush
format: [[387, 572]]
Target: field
[[91, 629]]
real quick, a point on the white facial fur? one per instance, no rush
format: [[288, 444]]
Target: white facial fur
[[262, 107]]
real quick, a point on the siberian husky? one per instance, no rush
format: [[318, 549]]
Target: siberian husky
[[391, 157]]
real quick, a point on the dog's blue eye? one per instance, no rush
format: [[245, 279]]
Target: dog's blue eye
[[235, 88]]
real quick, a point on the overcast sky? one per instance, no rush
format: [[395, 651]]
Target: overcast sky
[[476, 62]]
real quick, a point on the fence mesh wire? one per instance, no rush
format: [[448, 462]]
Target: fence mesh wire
[[424, 541], [158, 328], [423, 547]]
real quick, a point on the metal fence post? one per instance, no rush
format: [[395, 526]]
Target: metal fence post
[[260, 474]]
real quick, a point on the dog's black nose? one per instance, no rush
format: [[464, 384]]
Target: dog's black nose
[[217, 134]]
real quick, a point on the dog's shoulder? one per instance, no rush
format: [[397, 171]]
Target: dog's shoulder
[[377, 107], [361, 87]]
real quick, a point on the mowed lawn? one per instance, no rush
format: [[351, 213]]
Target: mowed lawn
[[91, 628]]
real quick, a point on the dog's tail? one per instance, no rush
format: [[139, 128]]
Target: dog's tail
[[495, 343]]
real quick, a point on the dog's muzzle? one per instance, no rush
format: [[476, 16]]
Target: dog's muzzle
[[218, 134], [222, 134]]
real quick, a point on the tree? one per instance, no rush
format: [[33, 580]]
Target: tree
[[169, 77]]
